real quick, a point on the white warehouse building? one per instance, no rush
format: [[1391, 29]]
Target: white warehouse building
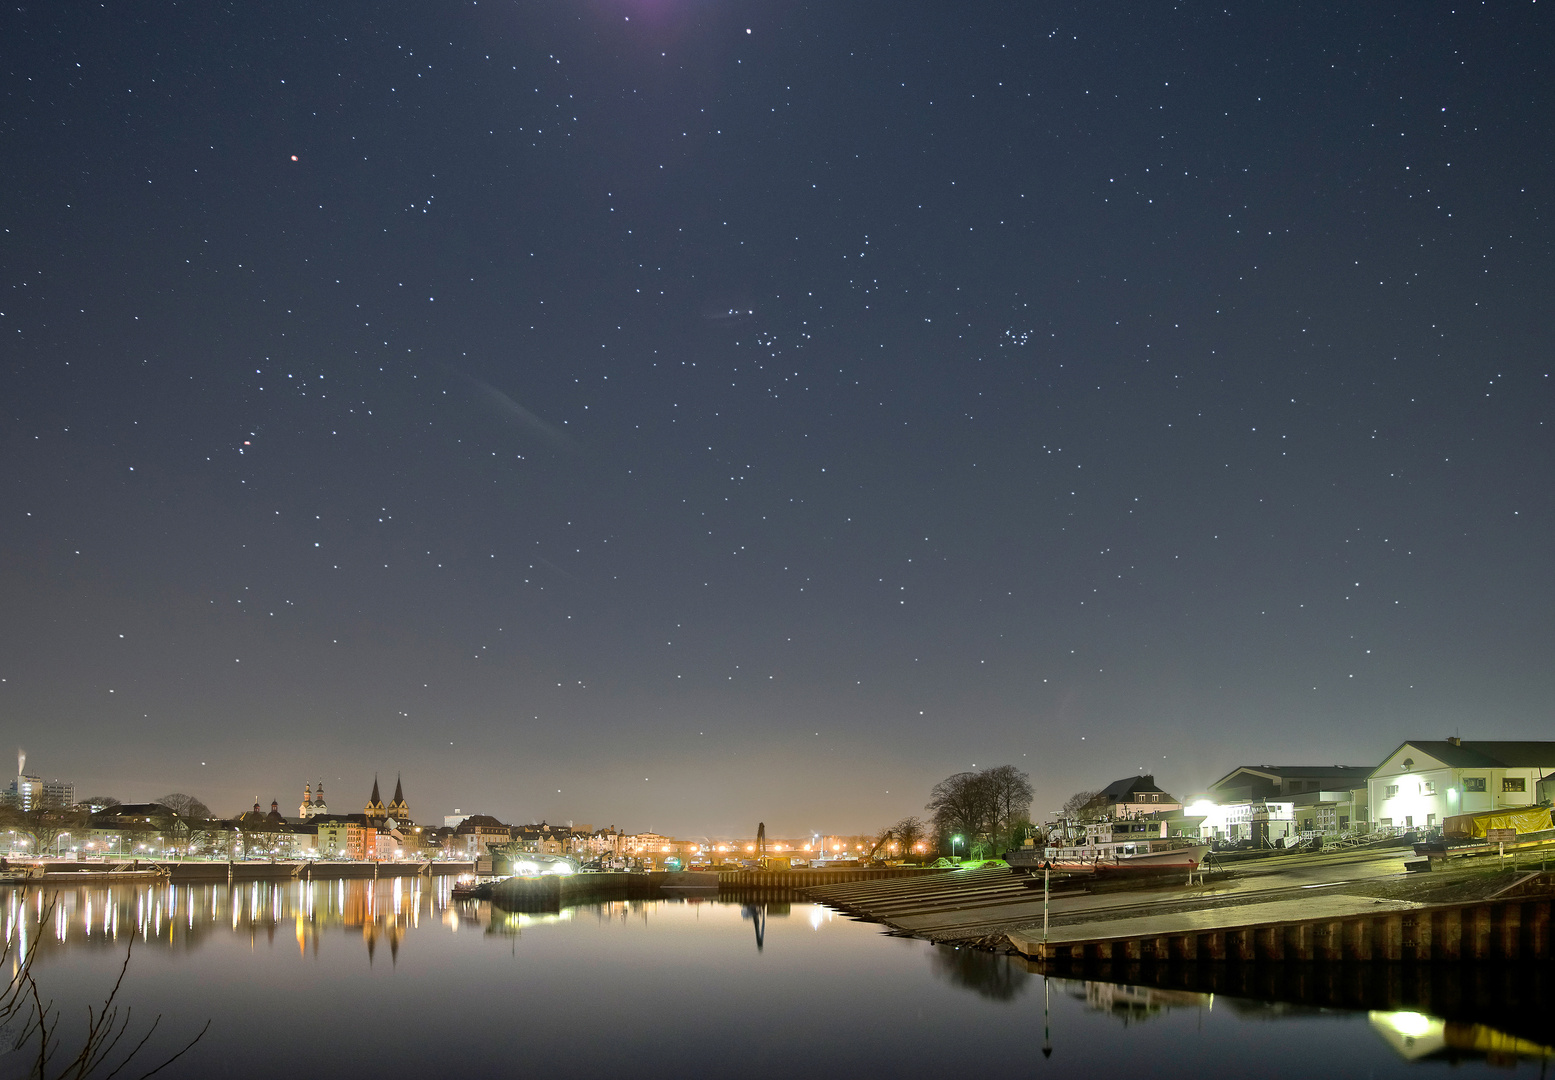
[[1426, 781]]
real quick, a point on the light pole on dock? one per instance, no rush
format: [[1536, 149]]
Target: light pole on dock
[[1047, 874]]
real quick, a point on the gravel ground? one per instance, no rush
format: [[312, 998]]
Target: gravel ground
[[1440, 886]]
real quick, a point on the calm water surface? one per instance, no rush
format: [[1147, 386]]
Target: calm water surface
[[345, 979]]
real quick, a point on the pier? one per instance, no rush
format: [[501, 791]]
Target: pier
[[810, 878], [552, 892]]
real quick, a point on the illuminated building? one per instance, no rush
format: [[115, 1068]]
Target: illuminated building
[[27, 791], [1265, 803], [313, 804], [1425, 781]]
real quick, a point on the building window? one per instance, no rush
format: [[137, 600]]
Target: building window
[[1513, 783], [1386, 822], [1392, 790], [1473, 783], [1428, 787]]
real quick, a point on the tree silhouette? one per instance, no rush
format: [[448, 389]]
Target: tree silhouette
[[185, 806], [31, 1019]]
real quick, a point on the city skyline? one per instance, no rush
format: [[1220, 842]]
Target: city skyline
[[692, 415]]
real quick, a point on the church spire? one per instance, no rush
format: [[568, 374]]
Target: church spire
[[375, 807], [397, 809]]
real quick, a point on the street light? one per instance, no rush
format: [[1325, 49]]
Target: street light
[[954, 840]]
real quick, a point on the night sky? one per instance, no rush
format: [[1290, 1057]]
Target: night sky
[[680, 414]]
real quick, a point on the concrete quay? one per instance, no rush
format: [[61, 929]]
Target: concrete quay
[[812, 878], [1329, 927], [552, 892], [194, 873]]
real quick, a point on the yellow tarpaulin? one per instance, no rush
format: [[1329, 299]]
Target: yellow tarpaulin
[[1527, 820]]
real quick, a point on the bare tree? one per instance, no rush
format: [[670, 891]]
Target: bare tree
[[963, 805], [31, 1018], [909, 831], [1083, 806], [984, 808], [185, 806], [45, 826], [1010, 790]]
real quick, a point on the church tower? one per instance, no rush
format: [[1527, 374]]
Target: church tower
[[305, 811], [318, 801], [397, 808], [375, 811]]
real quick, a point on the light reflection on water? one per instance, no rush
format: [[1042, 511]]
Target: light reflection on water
[[749, 989]]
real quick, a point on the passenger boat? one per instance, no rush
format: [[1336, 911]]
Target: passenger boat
[[1123, 845]]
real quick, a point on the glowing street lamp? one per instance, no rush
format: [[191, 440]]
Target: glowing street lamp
[[954, 840]]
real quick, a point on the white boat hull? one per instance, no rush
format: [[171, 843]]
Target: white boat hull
[[1187, 857]]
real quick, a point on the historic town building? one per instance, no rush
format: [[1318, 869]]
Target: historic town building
[[376, 813], [398, 810], [312, 804]]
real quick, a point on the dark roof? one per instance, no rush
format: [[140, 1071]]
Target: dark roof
[[482, 820], [1346, 773], [1338, 772], [1486, 755], [139, 809], [339, 819], [1118, 790]]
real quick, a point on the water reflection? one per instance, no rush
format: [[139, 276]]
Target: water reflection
[[1414, 1036], [672, 969], [181, 917], [1417, 1037], [986, 974], [1133, 1004]]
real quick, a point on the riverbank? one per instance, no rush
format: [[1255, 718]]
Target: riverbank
[[1006, 911], [182, 872]]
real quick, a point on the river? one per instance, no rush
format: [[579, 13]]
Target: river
[[394, 978]]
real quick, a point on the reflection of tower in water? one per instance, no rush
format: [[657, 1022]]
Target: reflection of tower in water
[[757, 914]]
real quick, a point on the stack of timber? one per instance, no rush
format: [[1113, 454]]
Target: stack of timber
[[956, 904]]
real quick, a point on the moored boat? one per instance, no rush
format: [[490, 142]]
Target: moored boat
[[1124, 845]]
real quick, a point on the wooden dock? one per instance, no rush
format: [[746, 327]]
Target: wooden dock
[[1329, 928]]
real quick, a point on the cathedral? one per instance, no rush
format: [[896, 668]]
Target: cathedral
[[375, 813], [397, 811], [312, 805]]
